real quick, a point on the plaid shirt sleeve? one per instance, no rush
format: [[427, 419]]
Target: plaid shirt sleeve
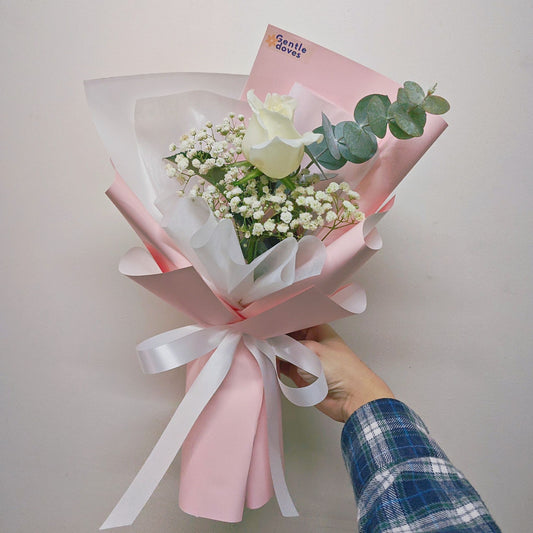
[[403, 481]]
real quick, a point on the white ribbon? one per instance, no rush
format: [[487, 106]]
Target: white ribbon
[[180, 346]]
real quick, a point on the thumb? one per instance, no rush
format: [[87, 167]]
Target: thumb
[[306, 376]]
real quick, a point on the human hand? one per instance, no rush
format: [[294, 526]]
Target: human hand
[[351, 384]]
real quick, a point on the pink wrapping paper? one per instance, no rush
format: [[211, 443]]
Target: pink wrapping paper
[[225, 460], [343, 82], [226, 452], [225, 457]]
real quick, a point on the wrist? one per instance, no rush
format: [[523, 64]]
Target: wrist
[[352, 404], [349, 407]]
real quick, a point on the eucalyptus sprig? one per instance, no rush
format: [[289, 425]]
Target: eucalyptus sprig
[[356, 141]]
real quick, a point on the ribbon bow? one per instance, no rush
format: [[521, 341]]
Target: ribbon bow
[[264, 335]]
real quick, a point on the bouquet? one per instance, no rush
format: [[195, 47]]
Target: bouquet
[[254, 230]]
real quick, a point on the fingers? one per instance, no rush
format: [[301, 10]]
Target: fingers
[[321, 333], [291, 371], [316, 347], [306, 376], [299, 335]]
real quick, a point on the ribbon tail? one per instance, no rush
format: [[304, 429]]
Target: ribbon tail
[[297, 354], [273, 407], [169, 444]]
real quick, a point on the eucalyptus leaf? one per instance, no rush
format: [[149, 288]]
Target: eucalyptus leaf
[[323, 155], [402, 97], [377, 116], [348, 156], [415, 93], [343, 149], [398, 132], [436, 105], [411, 121], [329, 162], [418, 115], [360, 113], [360, 142], [357, 141], [329, 137]]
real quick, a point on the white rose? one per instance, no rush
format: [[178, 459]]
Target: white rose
[[272, 143]]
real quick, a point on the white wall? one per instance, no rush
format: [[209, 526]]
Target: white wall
[[449, 315]]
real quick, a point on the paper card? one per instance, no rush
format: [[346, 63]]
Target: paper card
[[285, 59]]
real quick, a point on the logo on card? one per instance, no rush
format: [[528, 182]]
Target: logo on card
[[285, 46]]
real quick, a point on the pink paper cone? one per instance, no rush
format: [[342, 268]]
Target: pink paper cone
[[224, 461]]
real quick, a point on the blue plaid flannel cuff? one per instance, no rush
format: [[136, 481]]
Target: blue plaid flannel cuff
[[381, 434], [402, 479]]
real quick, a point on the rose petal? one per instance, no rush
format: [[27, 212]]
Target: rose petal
[[277, 158]]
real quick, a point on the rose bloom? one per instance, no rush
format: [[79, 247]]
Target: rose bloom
[[272, 143]]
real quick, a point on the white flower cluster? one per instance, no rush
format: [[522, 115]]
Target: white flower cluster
[[261, 208], [201, 150]]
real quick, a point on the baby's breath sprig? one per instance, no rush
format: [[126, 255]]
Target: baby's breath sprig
[[204, 151], [264, 211]]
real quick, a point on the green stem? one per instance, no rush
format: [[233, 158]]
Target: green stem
[[251, 249], [314, 160], [255, 173], [240, 164], [327, 234], [336, 228], [288, 183]]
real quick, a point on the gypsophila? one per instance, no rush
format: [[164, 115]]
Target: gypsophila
[[207, 164]]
